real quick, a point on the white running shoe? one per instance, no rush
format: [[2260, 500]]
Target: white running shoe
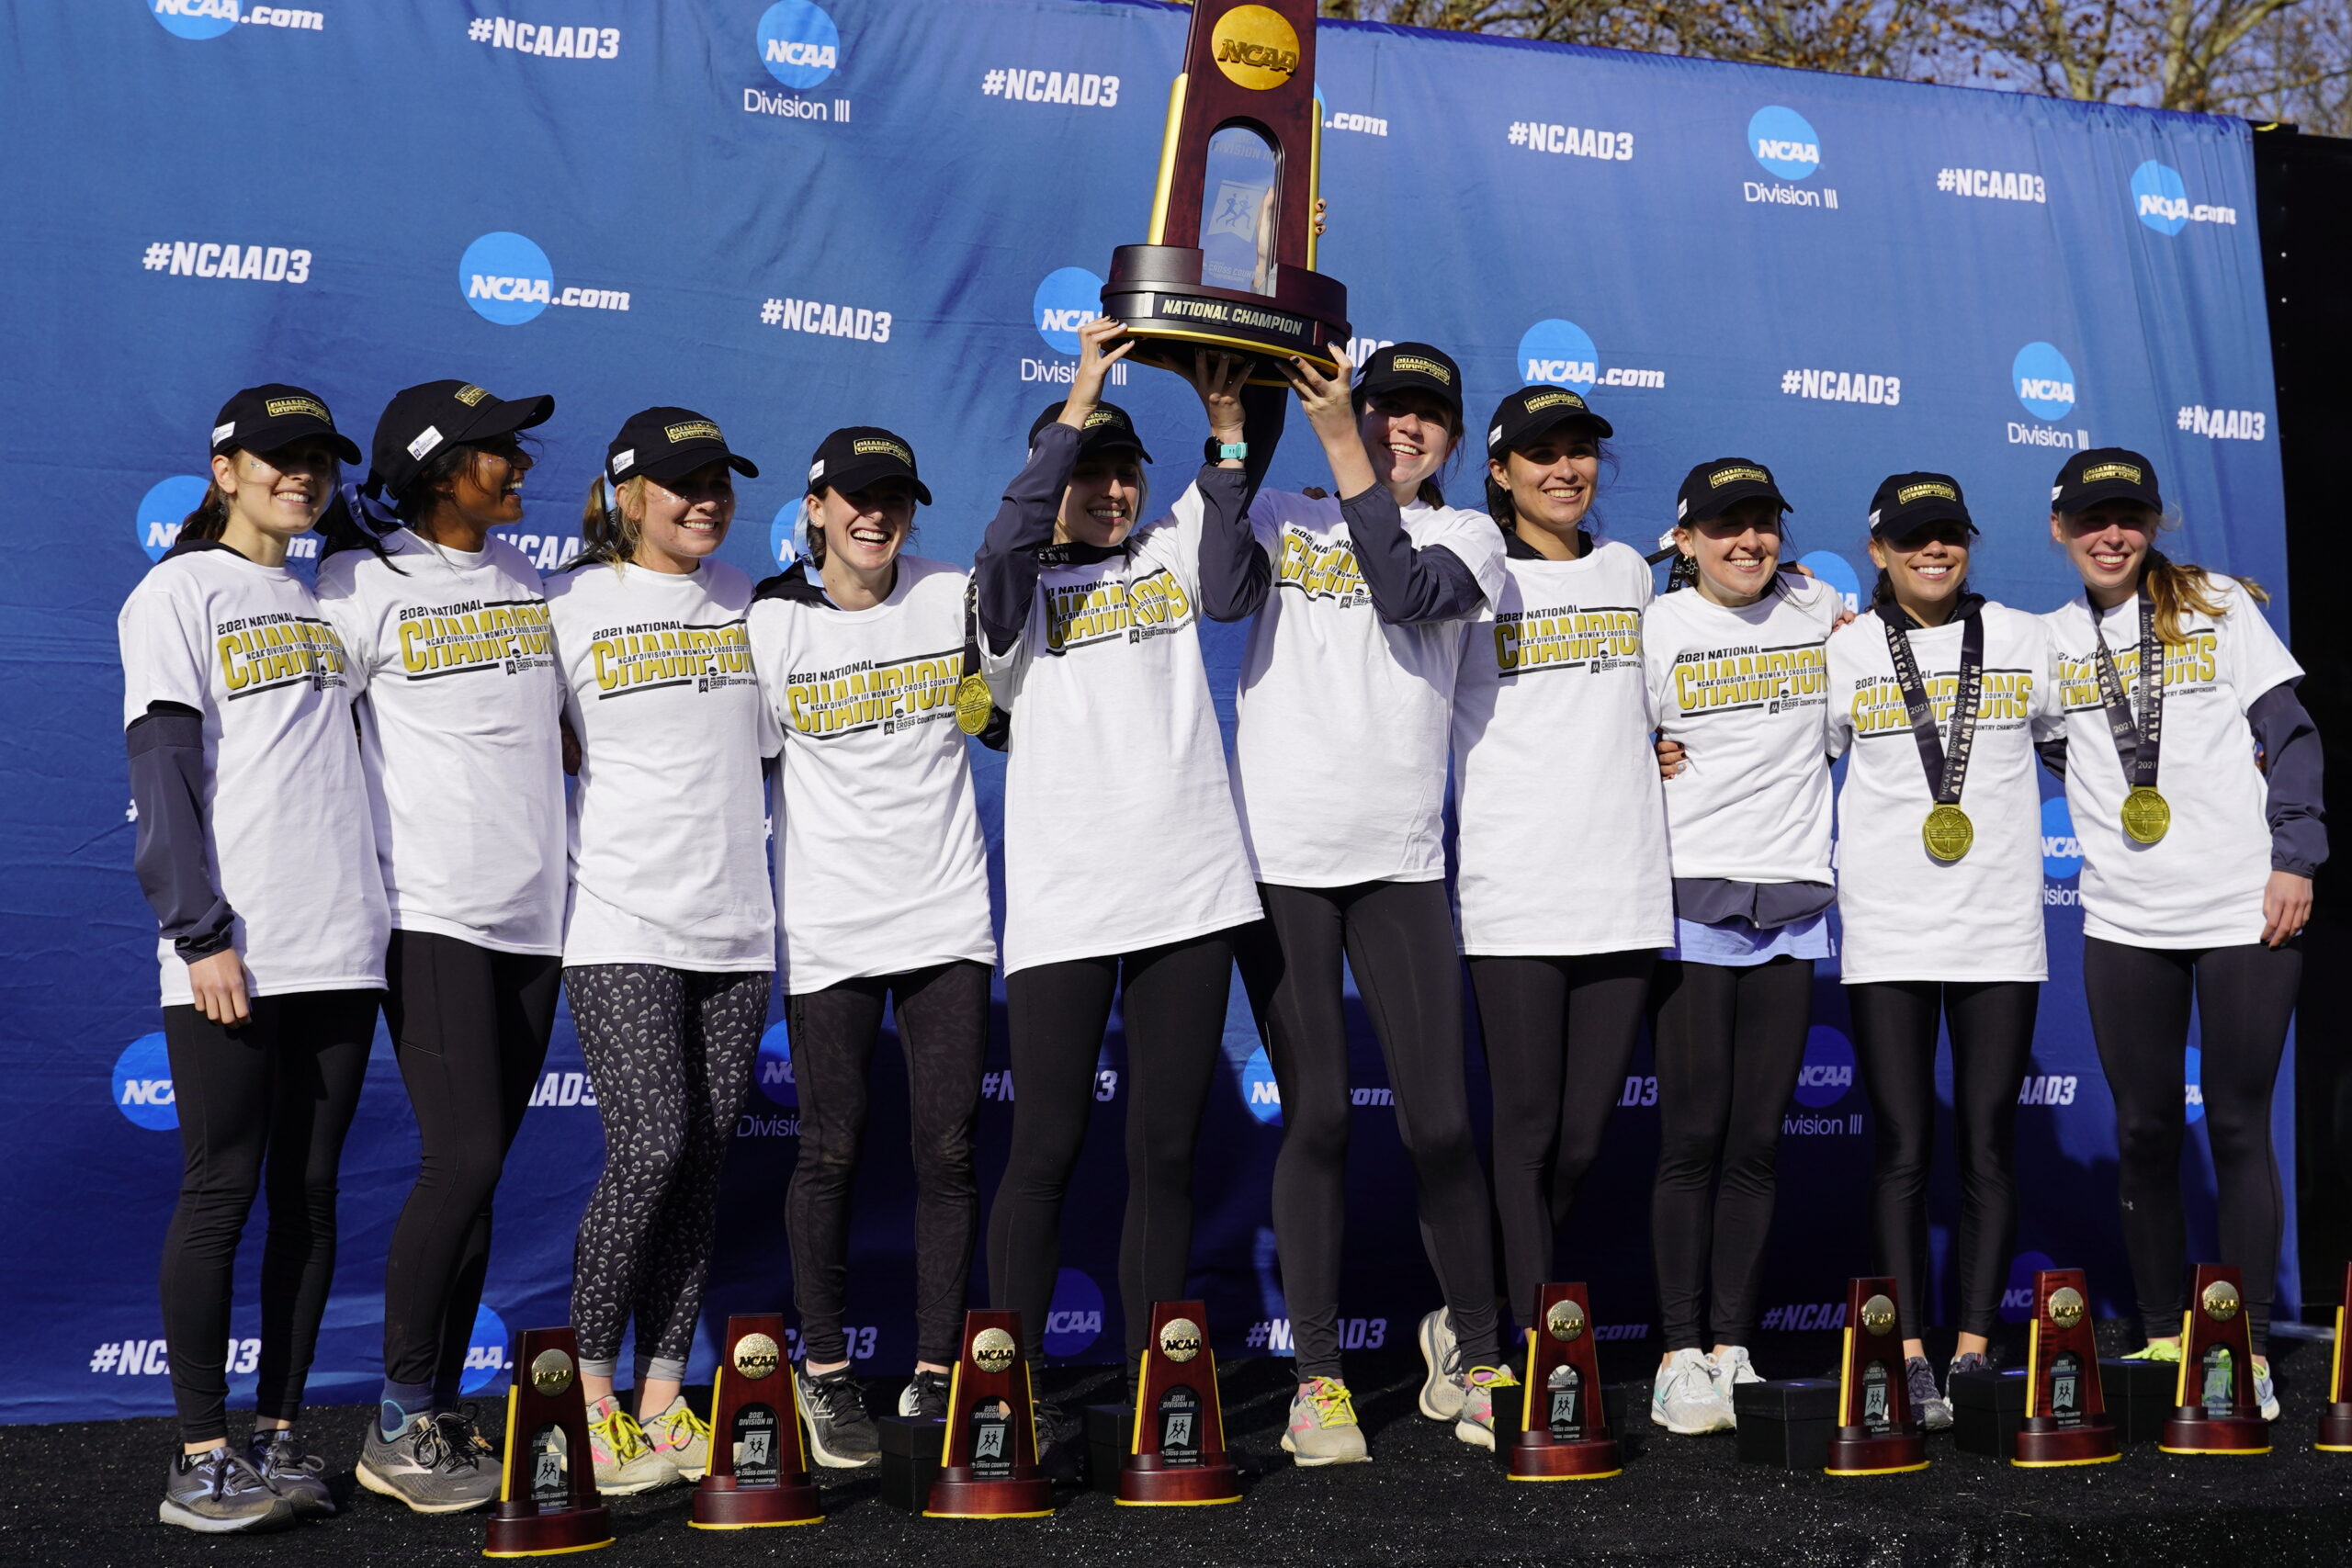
[[1730, 1367], [1685, 1400], [1440, 1389]]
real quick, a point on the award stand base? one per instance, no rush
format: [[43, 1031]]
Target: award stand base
[[720, 1505], [1158, 292], [2043, 1444], [1535, 1457], [1854, 1450], [519, 1530], [963, 1496], [2335, 1430], [2192, 1431], [1143, 1484]]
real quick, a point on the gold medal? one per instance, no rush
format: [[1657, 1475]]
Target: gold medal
[[2146, 816], [973, 705], [1948, 832]]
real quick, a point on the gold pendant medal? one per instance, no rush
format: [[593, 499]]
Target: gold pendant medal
[[1948, 833], [973, 705], [2147, 816]]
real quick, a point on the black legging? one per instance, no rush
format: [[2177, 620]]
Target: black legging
[[1398, 938], [469, 1029], [942, 1015], [1172, 1001], [1728, 1042], [1894, 1042], [277, 1092], [2138, 998], [1559, 1032]]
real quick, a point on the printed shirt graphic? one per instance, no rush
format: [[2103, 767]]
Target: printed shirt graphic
[[880, 866], [459, 705], [1119, 826], [1339, 754], [288, 837], [2202, 884], [1745, 691], [1907, 915], [1561, 823], [669, 853]]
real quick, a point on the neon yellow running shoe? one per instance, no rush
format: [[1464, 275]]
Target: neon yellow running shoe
[[2167, 1350], [624, 1461]]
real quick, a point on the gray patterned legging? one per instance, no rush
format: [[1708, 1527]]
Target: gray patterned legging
[[670, 1052]]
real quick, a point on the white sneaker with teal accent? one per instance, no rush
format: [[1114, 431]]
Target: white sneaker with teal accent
[[1440, 1398], [1730, 1367]]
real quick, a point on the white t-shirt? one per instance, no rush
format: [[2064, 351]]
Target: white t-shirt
[[879, 867], [286, 834], [1745, 691], [1560, 819], [2202, 884], [669, 853], [1340, 752], [1907, 915], [1119, 824], [458, 703]]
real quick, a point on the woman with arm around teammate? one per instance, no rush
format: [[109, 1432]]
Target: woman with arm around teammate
[[2197, 870], [1561, 867], [882, 895], [1739, 678], [669, 944], [255, 851], [1936, 699]]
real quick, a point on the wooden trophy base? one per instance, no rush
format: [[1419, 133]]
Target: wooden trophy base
[[721, 1504], [2191, 1432], [1864, 1454], [1158, 292], [957, 1495], [1537, 1457], [2335, 1430], [527, 1532], [1145, 1484], [2043, 1445]]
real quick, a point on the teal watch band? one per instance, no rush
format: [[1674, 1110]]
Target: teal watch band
[[1235, 450]]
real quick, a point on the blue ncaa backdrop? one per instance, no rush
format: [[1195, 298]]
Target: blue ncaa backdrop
[[795, 215]]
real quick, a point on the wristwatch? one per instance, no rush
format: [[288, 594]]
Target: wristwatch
[[1213, 451]]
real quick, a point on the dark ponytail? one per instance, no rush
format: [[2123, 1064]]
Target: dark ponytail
[[210, 516], [341, 529]]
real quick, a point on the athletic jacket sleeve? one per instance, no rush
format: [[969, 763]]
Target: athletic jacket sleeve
[[1408, 585], [1006, 567], [2292, 759], [166, 751], [1236, 574]]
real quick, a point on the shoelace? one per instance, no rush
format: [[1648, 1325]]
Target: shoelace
[[282, 1452], [665, 1433], [621, 1434], [838, 1392], [430, 1446], [1333, 1403], [1489, 1377], [460, 1440], [223, 1466], [929, 1387]]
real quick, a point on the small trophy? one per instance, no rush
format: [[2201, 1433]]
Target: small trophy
[[991, 1465], [758, 1474], [1230, 263], [546, 1495], [2065, 1408], [1876, 1433], [2213, 1406], [1563, 1428], [1176, 1455], [2336, 1422]]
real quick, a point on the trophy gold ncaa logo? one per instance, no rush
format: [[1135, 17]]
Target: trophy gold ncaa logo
[[1180, 1339], [551, 1372], [1877, 1314], [2065, 1306], [1565, 1321], [2220, 1301], [756, 1357], [992, 1350], [1255, 47]]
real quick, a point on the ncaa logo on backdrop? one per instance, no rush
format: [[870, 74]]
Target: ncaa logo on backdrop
[[1783, 142], [2160, 200], [1075, 1320], [210, 19], [506, 279], [1259, 1092], [2016, 1297], [1828, 1070], [798, 43], [1068, 298], [1831, 569], [165, 506], [774, 1073], [784, 534], [2062, 852], [142, 1085], [485, 1351], [2043, 382], [1559, 352]]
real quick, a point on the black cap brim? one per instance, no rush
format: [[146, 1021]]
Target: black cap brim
[[1720, 501], [1917, 517], [277, 432], [508, 417], [1586, 417], [1106, 439], [1409, 380], [854, 477], [2090, 495], [685, 460]]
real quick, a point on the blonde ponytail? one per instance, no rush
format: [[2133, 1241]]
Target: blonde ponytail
[[609, 528], [2177, 589]]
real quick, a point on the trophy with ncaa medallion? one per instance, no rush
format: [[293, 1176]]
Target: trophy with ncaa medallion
[[1176, 1454], [548, 1501], [2214, 1410], [758, 1474], [1876, 1432], [1563, 1428], [2336, 1422], [2065, 1408], [990, 1469], [1230, 261]]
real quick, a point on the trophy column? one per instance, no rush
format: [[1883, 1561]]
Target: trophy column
[[2214, 1407], [1563, 1426], [1876, 1432], [2065, 1407], [2336, 1422], [1176, 1453], [758, 1474], [989, 1470], [548, 1501]]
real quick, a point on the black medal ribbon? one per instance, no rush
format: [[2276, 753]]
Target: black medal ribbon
[[2138, 746], [1946, 762]]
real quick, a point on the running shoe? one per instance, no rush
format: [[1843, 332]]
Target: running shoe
[[2266, 1393], [1323, 1427], [1055, 1425], [1730, 1367], [624, 1462], [925, 1397], [1442, 1389], [841, 1436], [1928, 1406], [298, 1475], [1476, 1425], [681, 1437], [217, 1492], [432, 1468], [2165, 1350], [1685, 1398]]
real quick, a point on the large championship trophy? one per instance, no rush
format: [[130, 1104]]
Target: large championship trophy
[[1564, 1432], [990, 1469], [2335, 1421], [758, 1474], [548, 1501], [1877, 1432], [1176, 1454], [1230, 261], [2214, 1410], [2065, 1408]]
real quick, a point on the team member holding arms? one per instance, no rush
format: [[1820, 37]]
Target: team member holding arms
[[882, 892], [1561, 873], [447, 630], [669, 944], [1940, 695], [2197, 869], [1739, 678], [255, 851]]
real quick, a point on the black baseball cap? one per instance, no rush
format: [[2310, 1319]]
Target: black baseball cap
[[1906, 502], [2105, 473], [669, 443], [1711, 488], [421, 422], [1108, 429], [1412, 364], [263, 418], [1532, 411], [852, 458]]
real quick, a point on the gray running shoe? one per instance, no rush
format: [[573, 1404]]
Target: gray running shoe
[[2266, 1392], [925, 1397], [216, 1492], [624, 1462], [681, 1437], [1323, 1429], [1932, 1409], [298, 1475], [1441, 1398], [428, 1465], [1476, 1425], [841, 1436]]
